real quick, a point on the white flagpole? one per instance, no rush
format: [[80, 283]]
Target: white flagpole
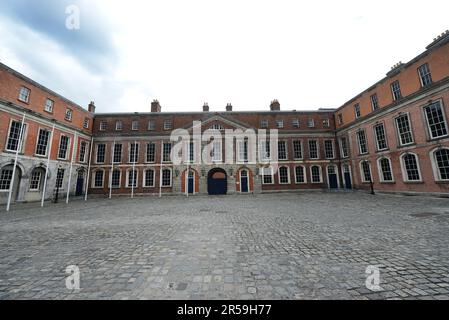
[[19, 146], [48, 165], [112, 170], [75, 144], [160, 173], [134, 172], [88, 167]]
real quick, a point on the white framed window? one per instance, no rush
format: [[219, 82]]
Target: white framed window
[[297, 150], [151, 153], [265, 150], [267, 175], [344, 147], [42, 142], [117, 156], [404, 129], [440, 163], [168, 125], [133, 153], [217, 126], [326, 123], [365, 171], [295, 123], [149, 178], [166, 178], [425, 75], [357, 111], [151, 125], [411, 171], [24, 94], [131, 178], [191, 152], [83, 149], [242, 146], [216, 151], [385, 170], [49, 104], [396, 90], [119, 125], [166, 156], [68, 114], [64, 146], [86, 123], [381, 137], [98, 179], [103, 125], [436, 121], [264, 124], [340, 119], [329, 149], [284, 175], [135, 125], [314, 149], [101, 153], [361, 140], [316, 174], [116, 179], [16, 132], [35, 180], [280, 124], [282, 150], [311, 123], [5, 178], [374, 102], [300, 175]]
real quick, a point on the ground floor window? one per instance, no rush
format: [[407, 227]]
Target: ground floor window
[[132, 179], [366, 171], [299, 174], [267, 175], [284, 175], [442, 162], [98, 179], [386, 174], [316, 174], [411, 168], [35, 180], [116, 175], [166, 178], [5, 179], [149, 178]]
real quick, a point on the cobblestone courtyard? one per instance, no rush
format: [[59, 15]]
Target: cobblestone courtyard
[[283, 246]]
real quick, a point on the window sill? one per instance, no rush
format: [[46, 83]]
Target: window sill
[[402, 146], [387, 182], [442, 182], [22, 101], [438, 138], [414, 182]]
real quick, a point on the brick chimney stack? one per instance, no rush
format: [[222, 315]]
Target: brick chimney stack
[[206, 107], [91, 107], [155, 106], [229, 107], [275, 105]]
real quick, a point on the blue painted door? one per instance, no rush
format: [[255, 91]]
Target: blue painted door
[[217, 183], [190, 182], [332, 177], [244, 181], [348, 183], [79, 184]]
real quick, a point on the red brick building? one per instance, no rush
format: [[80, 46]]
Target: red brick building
[[392, 137]]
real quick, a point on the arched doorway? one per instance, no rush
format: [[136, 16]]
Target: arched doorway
[[7, 179], [217, 182], [332, 177]]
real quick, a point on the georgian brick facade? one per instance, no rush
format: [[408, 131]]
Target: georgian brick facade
[[393, 137]]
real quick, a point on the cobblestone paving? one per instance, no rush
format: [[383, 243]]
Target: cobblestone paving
[[283, 246]]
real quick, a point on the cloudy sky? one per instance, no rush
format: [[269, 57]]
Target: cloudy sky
[[126, 53]]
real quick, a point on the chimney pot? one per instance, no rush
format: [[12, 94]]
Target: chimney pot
[[206, 107], [229, 107], [155, 106], [91, 107], [275, 105]]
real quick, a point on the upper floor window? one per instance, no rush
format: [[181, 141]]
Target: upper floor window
[[217, 126], [103, 125], [282, 150], [311, 123], [396, 90], [329, 149], [82, 155], [297, 149], [101, 151], [167, 125], [264, 124], [295, 123], [366, 171], [361, 139], [42, 142], [424, 75], [280, 124], [151, 125], [374, 102], [24, 94], [68, 114], [313, 149], [117, 156], [133, 152], [381, 139], [119, 125], [265, 150], [86, 123], [151, 152], [243, 150], [49, 105], [344, 147], [404, 129], [326, 123], [63, 147], [135, 125], [436, 122], [357, 111], [166, 155], [16, 136], [340, 118], [216, 151]]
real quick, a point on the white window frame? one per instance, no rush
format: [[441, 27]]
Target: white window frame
[[118, 125], [304, 174], [295, 123], [321, 174], [380, 172], [69, 146], [343, 155], [423, 85], [24, 136], [115, 145], [96, 153], [362, 172], [399, 133], [103, 125], [28, 91], [317, 149], [135, 125], [359, 144], [37, 142], [171, 177], [85, 151], [435, 168], [144, 180], [168, 125], [376, 137], [151, 125], [119, 180], [127, 178], [137, 148], [264, 124], [393, 91], [68, 116], [285, 144], [333, 148], [280, 124], [94, 176], [214, 156], [271, 174], [429, 130], [311, 123], [357, 110], [404, 169], [301, 145], [49, 108], [288, 175], [35, 170], [86, 123], [241, 149], [374, 99]]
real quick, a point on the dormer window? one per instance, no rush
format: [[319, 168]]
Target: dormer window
[[68, 114], [217, 126], [24, 94]]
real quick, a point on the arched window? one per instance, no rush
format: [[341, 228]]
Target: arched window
[[385, 171], [316, 174], [300, 174], [6, 177], [36, 179], [284, 176], [410, 167], [441, 158]]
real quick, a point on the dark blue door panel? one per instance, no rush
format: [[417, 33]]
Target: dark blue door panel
[[217, 186], [244, 184], [333, 184], [348, 183]]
